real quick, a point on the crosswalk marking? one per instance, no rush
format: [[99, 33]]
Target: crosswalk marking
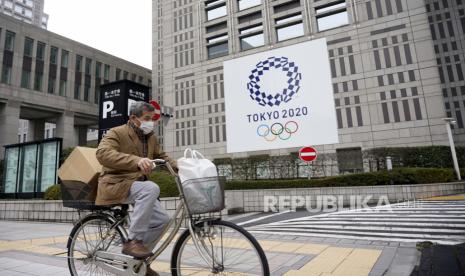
[[436, 221]]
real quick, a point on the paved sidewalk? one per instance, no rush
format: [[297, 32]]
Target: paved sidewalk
[[28, 248]]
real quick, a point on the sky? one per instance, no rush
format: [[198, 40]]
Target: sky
[[122, 28]]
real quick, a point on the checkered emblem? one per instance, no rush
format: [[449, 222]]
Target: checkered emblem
[[292, 85]]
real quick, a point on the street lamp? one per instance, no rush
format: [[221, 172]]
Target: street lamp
[[451, 121]]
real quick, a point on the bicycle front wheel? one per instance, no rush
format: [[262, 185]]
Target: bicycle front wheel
[[230, 250], [92, 233]]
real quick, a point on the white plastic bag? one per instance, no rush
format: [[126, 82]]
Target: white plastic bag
[[195, 165]]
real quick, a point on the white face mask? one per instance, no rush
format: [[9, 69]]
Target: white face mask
[[146, 126]]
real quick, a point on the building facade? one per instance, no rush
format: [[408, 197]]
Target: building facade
[[51, 80], [29, 11], [396, 66]]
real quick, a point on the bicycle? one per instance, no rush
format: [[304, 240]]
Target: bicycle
[[209, 245]]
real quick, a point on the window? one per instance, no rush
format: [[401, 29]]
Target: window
[[251, 37], [86, 92], [77, 91], [215, 9], [141, 79], [98, 69], [62, 90], [106, 72], [133, 77], [64, 58], [332, 15], [88, 66], [289, 27], [51, 85], [47, 135], [10, 41], [118, 74], [245, 4], [217, 46], [6, 74], [28, 46], [38, 79], [26, 79], [78, 63], [53, 55], [8, 4], [40, 50], [125, 75]]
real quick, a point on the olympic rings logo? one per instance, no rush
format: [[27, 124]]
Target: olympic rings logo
[[271, 133]]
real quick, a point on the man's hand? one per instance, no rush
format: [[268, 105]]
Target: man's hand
[[145, 165]]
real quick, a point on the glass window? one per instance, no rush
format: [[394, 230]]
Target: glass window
[[51, 85], [8, 4], [106, 72], [118, 74], [28, 13], [332, 21], [290, 31], [10, 41], [332, 16], [250, 29], [28, 3], [77, 91], [245, 4], [53, 55], [49, 164], [252, 41], [86, 92], [64, 58], [26, 79], [40, 50], [125, 75], [216, 12], [6, 74], [218, 50], [97, 94], [288, 19], [78, 63], [38, 81], [98, 69], [88, 66], [28, 168], [141, 79], [133, 77], [63, 87], [11, 168], [28, 46]]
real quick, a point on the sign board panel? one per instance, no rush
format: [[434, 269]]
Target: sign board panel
[[116, 99], [281, 98]]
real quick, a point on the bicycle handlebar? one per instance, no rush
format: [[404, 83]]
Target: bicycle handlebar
[[161, 162]]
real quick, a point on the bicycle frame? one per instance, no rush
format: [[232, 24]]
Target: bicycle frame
[[107, 258]]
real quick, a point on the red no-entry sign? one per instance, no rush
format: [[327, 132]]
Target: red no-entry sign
[[307, 154], [157, 110]]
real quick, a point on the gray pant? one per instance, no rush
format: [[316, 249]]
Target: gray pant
[[148, 217]]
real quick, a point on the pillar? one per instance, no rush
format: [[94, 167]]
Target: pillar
[[9, 122], [65, 129], [36, 130]]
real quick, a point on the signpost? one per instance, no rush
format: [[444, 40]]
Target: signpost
[[308, 154], [116, 99], [157, 107]]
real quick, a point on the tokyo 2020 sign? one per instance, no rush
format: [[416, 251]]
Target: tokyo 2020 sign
[[280, 98]]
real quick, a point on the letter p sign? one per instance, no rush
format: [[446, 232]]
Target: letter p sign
[[107, 108]]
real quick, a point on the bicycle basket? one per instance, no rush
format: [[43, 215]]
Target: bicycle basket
[[77, 194], [204, 195]]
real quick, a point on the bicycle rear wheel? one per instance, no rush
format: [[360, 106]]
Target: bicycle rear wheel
[[90, 234], [231, 251]]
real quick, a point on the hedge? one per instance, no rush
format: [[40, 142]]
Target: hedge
[[395, 177]]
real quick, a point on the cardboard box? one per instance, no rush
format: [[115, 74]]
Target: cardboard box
[[82, 166]]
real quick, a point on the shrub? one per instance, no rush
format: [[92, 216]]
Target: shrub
[[166, 182], [397, 176], [53, 193]]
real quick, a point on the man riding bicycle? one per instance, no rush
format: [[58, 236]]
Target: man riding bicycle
[[125, 153]]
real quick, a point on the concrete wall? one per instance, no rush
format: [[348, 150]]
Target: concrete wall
[[237, 201]]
